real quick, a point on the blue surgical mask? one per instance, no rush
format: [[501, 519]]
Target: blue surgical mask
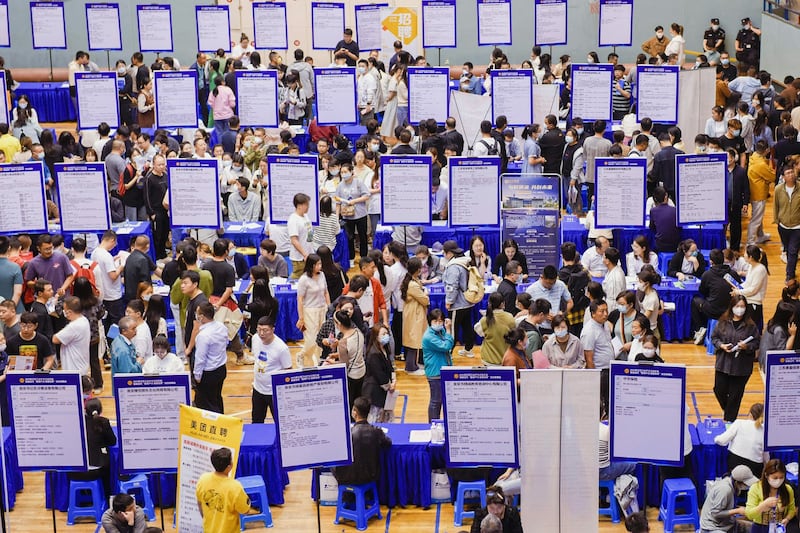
[[361, 70], [437, 327], [725, 61], [226, 163], [736, 133], [22, 105], [569, 138], [232, 252], [622, 308], [561, 333], [637, 336], [385, 339], [579, 131], [649, 352], [346, 176]]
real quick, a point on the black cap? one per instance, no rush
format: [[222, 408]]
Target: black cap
[[714, 21], [745, 20], [452, 247]]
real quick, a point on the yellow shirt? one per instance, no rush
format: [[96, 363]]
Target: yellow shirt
[[10, 145], [761, 175], [222, 499], [754, 498]]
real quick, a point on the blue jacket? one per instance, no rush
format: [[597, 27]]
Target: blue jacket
[[123, 357], [436, 348]]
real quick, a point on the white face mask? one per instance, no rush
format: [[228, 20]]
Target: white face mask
[[660, 34], [561, 333], [22, 105], [590, 59], [346, 175], [569, 139], [361, 70], [715, 27], [649, 352], [739, 311], [2, 347], [776, 483], [227, 163]]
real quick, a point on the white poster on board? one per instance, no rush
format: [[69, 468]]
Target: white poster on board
[[550, 22], [213, 28], [591, 91], [701, 188], [494, 22], [48, 26], [327, 25], [546, 101], [512, 96], [439, 23], [257, 98], [289, 175], [657, 93], [616, 23], [620, 192], [368, 26], [474, 191], [103, 27], [5, 28], [428, 94], [406, 190], [22, 204], [176, 99], [155, 28], [335, 91], [782, 408], [83, 197], [98, 99], [194, 193], [269, 26]]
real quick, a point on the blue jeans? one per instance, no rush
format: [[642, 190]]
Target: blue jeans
[[790, 238], [616, 469], [220, 127], [435, 403]]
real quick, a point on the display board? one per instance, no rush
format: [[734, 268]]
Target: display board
[[494, 22], [616, 23], [194, 193], [23, 206], [439, 24], [406, 189], [591, 91], [312, 417], [428, 94], [154, 24], [48, 27], [147, 420], [269, 26], [83, 197], [46, 412], [334, 89], [657, 93], [103, 27], [550, 22], [620, 192], [98, 99], [175, 94], [368, 26], [781, 407], [474, 191], [5, 27], [213, 28], [512, 96], [529, 215], [480, 416], [701, 185], [559, 488], [257, 98], [647, 413], [289, 175], [327, 25]]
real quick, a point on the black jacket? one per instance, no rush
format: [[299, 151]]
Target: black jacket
[[664, 168], [99, 437], [366, 467], [455, 138], [676, 263], [737, 363], [379, 372], [552, 144], [716, 290], [501, 146], [512, 523], [509, 292], [740, 195]]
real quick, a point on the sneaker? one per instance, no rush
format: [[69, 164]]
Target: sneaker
[[245, 360], [764, 238], [700, 336], [417, 372], [299, 360], [783, 256], [97, 392], [466, 353]]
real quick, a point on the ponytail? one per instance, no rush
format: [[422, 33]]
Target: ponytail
[[495, 302]]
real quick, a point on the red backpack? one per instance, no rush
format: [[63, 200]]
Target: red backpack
[[125, 175], [86, 272]]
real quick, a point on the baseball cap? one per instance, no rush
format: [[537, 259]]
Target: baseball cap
[[452, 247], [746, 20], [715, 21], [508, 131], [743, 474]]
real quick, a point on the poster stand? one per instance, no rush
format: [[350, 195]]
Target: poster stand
[[158, 497], [316, 474], [52, 473], [50, 53]]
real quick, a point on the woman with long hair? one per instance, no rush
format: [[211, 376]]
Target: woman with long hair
[[25, 120], [515, 355], [92, 308], [334, 275], [414, 320], [99, 438], [222, 102], [437, 346], [133, 183], [262, 303], [155, 315], [745, 441], [312, 302], [780, 332], [396, 256], [350, 350], [380, 377], [735, 340], [493, 328], [510, 252], [478, 256], [431, 265], [532, 159], [770, 501], [754, 287], [641, 254], [325, 234], [649, 302]]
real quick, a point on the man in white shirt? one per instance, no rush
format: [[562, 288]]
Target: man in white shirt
[[143, 341], [593, 258], [271, 355], [300, 234], [108, 277], [614, 281], [367, 88], [210, 357], [439, 199], [74, 338], [486, 145]]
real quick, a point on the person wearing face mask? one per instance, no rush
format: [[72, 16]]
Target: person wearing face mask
[[127, 100], [729, 71], [328, 176], [381, 377], [735, 339], [437, 345], [352, 196], [649, 302], [532, 159], [621, 319], [754, 287], [563, 349], [164, 361], [770, 502], [649, 352], [738, 190], [687, 261], [655, 45], [366, 88], [640, 328], [719, 509], [572, 173], [592, 57], [748, 43], [714, 295], [713, 41]]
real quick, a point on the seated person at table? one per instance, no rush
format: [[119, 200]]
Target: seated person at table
[[508, 286], [640, 255], [663, 222], [271, 260], [407, 235], [244, 205], [771, 501], [439, 199], [238, 261], [367, 443], [124, 516], [431, 265], [719, 509], [496, 505], [687, 261], [649, 349], [737, 263], [594, 256], [715, 294], [510, 253], [163, 361]]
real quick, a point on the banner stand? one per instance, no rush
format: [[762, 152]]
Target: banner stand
[[158, 497], [316, 474], [52, 474]]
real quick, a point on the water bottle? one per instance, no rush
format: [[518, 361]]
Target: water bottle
[[708, 424], [487, 278]]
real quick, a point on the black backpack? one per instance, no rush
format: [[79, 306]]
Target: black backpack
[[576, 279], [491, 148]]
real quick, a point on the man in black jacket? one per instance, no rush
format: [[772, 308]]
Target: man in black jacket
[[508, 287], [367, 443], [715, 294], [663, 172], [738, 197], [552, 145], [497, 134]]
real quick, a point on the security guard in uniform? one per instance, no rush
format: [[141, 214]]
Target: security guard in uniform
[[748, 43], [713, 41]]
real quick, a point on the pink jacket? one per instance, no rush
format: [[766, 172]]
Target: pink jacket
[[222, 105]]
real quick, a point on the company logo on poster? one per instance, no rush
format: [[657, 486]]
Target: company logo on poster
[[400, 24]]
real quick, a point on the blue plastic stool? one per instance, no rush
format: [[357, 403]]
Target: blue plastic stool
[[678, 494], [255, 487], [138, 485], [613, 508], [97, 507], [709, 329], [463, 487], [362, 511]]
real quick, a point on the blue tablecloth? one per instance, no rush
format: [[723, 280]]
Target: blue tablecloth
[[677, 324], [51, 100], [12, 473], [432, 234], [248, 234], [126, 233], [258, 455]]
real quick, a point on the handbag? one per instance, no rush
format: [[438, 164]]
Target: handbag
[[348, 210]]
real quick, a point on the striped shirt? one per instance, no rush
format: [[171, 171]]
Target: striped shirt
[[619, 102], [326, 232]]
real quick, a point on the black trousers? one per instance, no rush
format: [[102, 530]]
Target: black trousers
[[462, 319], [208, 394], [736, 460], [161, 232], [729, 391], [735, 225], [261, 402], [354, 390], [397, 331], [351, 227], [94, 365], [202, 98]]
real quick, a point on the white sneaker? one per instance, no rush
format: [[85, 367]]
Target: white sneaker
[[783, 256], [466, 353], [417, 372], [700, 336]]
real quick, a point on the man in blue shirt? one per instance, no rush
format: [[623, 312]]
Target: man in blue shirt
[[554, 291], [210, 356], [470, 83]]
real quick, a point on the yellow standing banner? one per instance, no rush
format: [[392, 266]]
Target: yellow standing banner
[[201, 432]]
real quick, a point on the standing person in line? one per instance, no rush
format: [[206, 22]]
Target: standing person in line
[[677, 45], [380, 378], [93, 310], [437, 345], [271, 355], [787, 216], [109, 279], [396, 256], [209, 360], [74, 338], [493, 327], [594, 147], [350, 351], [155, 191], [456, 278], [532, 159], [221, 498], [301, 234], [312, 301], [415, 310], [754, 287], [352, 196]]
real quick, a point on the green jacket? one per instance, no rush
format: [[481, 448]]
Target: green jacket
[[176, 296]]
